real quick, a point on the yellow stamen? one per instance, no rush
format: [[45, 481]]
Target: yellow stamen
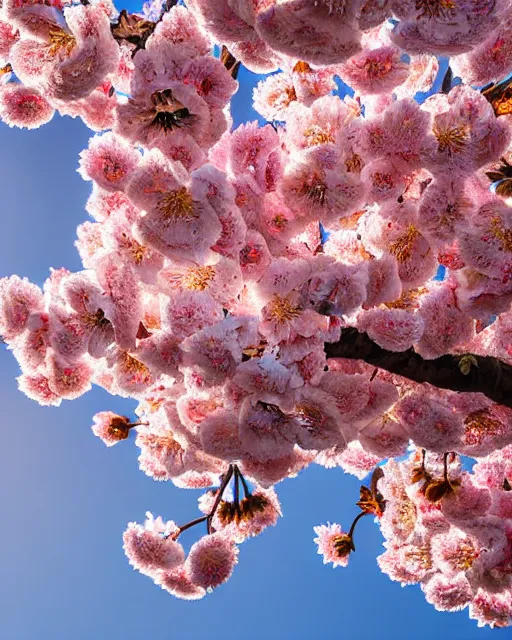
[[178, 205], [408, 300], [452, 140], [501, 233], [59, 41], [282, 310], [354, 164], [198, 278], [403, 246], [315, 135]]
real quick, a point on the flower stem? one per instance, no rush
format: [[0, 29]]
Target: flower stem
[[183, 528], [130, 425], [225, 481], [352, 528], [247, 491]]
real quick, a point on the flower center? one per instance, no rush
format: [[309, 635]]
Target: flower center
[[118, 428], [421, 556], [60, 40], [316, 135], [342, 544], [282, 310], [198, 278], [450, 139], [135, 368], [466, 555], [354, 164], [403, 246], [309, 417], [169, 113], [435, 8], [501, 233], [480, 424], [314, 189], [112, 170], [377, 68], [178, 205]]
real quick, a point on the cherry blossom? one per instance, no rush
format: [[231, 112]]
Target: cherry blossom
[[330, 284]]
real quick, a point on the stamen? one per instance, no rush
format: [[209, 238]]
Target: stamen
[[60, 40], [178, 205], [282, 310], [402, 247], [453, 140]]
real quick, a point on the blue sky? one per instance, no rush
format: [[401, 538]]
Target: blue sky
[[65, 499]]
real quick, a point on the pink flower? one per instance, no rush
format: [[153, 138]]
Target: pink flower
[[150, 116], [430, 424], [317, 421], [180, 27], [375, 70], [256, 55], [211, 80], [24, 107], [8, 36], [488, 61], [109, 161], [455, 552], [19, 298], [120, 284], [265, 431], [392, 329], [179, 584], [211, 560], [273, 95], [311, 34], [493, 609], [68, 380], [219, 436], [37, 387], [445, 324], [148, 548], [385, 437], [110, 427], [333, 544]]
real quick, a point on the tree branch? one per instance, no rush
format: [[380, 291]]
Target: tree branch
[[487, 375]]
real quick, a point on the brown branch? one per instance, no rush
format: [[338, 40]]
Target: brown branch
[[487, 375]]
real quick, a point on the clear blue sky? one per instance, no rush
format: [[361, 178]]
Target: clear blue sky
[[65, 499]]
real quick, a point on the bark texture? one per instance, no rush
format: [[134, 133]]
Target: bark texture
[[486, 375]]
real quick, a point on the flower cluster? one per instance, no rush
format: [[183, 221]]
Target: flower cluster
[[153, 549], [455, 542], [209, 289]]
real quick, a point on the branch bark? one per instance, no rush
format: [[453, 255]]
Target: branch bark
[[487, 375]]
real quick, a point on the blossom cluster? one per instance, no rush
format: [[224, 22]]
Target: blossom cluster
[[209, 288]]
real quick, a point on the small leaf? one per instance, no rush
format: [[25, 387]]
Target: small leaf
[[419, 473], [436, 490], [466, 362]]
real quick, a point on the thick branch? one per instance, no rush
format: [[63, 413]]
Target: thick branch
[[487, 375]]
